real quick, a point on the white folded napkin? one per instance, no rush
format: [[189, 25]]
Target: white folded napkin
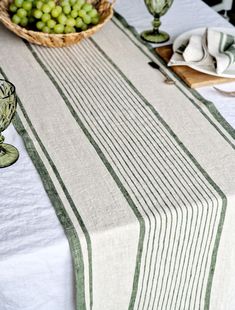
[[213, 50]]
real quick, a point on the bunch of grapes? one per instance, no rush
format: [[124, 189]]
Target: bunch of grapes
[[51, 16]]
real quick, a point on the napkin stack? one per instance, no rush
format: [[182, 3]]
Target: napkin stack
[[213, 50]]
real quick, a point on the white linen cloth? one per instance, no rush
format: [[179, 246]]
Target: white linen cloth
[[23, 199], [213, 50]]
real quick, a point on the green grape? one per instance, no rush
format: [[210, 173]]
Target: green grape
[[87, 19], [45, 17], [79, 22], [76, 7], [16, 19], [40, 25], [70, 22], [64, 3], [84, 27], [69, 29], [87, 7], [82, 13], [46, 8], [51, 4], [62, 19], [46, 29], [93, 13], [80, 2], [51, 23], [27, 5], [21, 13], [59, 28], [13, 8], [72, 2], [24, 21], [39, 5], [66, 9], [56, 11], [18, 3], [95, 20], [74, 13], [37, 14]]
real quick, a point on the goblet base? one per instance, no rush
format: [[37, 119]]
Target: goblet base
[[155, 37], [8, 155]]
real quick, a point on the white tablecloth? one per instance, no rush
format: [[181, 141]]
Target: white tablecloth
[[35, 262]]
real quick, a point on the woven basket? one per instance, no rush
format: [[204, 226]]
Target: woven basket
[[104, 7]]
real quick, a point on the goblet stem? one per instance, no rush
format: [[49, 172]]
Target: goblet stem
[[155, 35], [156, 25]]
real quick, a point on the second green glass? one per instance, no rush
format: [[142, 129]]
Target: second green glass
[[157, 8], [8, 102]]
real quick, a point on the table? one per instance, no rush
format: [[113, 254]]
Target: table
[[36, 266]]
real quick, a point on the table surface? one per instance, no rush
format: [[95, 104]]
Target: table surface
[[34, 252]]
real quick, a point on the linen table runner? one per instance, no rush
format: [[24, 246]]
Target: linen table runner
[[141, 174]]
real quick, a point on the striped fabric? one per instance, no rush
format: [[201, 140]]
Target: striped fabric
[[209, 49], [137, 170]]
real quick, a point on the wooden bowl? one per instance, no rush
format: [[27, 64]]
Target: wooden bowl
[[104, 7]]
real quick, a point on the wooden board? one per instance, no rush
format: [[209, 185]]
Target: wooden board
[[191, 77]]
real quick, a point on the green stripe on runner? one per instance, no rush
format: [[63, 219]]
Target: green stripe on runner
[[208, 104]]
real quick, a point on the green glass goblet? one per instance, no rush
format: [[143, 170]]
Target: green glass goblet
[[8, 102], [157, 8]]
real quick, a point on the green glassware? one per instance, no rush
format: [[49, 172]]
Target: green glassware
[[157, 8], [8, 102]]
